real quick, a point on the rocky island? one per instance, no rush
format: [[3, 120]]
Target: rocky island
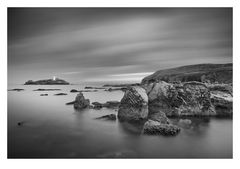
[[53, 81]]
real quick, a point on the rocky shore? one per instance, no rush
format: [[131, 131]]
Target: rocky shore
[[56, 81]]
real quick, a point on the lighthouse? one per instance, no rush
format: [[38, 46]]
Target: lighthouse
[[54, 78]]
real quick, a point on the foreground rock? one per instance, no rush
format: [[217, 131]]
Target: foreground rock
[[156, 128], [183, 99], [47, 82], [112, 117], [74, 91], [81, 102], [134, 105]]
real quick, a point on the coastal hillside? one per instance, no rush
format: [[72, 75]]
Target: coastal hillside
[[212, 73]]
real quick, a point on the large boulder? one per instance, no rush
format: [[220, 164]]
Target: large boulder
[[81, 102], [157, 128], [222, 98], [134, 105], [180, 99]]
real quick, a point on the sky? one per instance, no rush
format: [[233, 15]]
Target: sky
[[119, 45]]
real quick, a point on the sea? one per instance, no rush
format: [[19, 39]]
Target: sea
[[51, 129]]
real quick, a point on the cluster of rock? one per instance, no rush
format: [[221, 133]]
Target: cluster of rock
[[108, 104]]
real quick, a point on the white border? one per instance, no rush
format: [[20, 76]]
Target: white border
[[119, 163]]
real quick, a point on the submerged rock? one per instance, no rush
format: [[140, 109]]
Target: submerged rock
[[108, 117], [46, 89], [156, 128], [74, 91], [16, 89], [60, 94], [134, 105], [43, 94], [81, 102], [70, 103]]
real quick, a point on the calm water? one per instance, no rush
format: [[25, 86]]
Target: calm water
[[53, 130]]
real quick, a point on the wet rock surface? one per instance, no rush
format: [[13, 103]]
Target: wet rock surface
[[81, 102], [112, 117], [156, 128], [60, 94], [183, 99], [134, 105]]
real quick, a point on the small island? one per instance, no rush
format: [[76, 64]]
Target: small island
[[53, 81]]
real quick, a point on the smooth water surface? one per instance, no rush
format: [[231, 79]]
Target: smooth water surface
[[52, 129]]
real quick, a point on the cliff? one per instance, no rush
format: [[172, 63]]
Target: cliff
[[210, 73]]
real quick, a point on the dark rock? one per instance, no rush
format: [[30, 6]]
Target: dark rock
[[88, 87], [60, 94], [97, 105], [121, 85], [156, 128], [210, 73], [47, 82], [18, 90], [46, 89], [74, 91], [81, 102], [70, 103], [21, 123], [134, 105], [108, 117], [88, 90], [184, 99], [43, 94]]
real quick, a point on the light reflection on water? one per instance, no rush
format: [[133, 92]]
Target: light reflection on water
[[54, 130]]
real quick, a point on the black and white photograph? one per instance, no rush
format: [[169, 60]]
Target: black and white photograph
[[87, 82]]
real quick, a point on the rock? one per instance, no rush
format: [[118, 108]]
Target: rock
[[47, 82], [210, 73], [97, 105], [74, 91], [111, 104], [134, 105], [81, 102], [88, 90], [156, 128], [186, 123], [183, 99], [43, 94], [46, 89], [160, 117], [18, 90], [88, 87], [223, 103], [21, 123], [108, 117], [70, 103], [60, 94]]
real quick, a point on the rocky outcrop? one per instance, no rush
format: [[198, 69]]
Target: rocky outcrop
[[108, 104], [210, 73], [81, 102], [43, 94], [46, 89], [157, 128], [184, 99], [112, 117], [74, 91], [222, 99], [47, 82], [134, 105]]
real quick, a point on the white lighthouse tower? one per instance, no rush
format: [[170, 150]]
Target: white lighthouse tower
[[54, 78]]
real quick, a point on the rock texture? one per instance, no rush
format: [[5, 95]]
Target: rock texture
[[81, 102], [184, 99], [210, 73], [134, 105], [222, 99], [157, 128], [112, 117]]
